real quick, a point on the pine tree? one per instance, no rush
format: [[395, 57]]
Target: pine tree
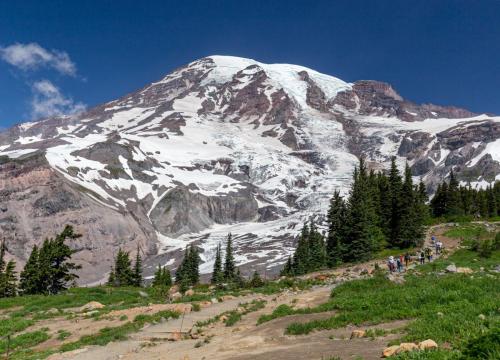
[[162, 277], [336, 218], [256, 281], [194, 264], [491, 200], [453, 197], [138, 269], [8, 286], [61, 269], [407, 213], [122, 274], [9, 280], [187, 273], [363, 233], [48, 270], [385, 205], [301, 256], [395, 187], [181, 275], [217, 273], [288, 268], [317, 251], [29, 283], [229, 265]]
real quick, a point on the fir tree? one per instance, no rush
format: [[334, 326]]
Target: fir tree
[[363, 233], [8, 286], [256, 281], [29, 283], [138, 269], [301, 256], [217, 273], [453, 200], [317, 251], [162, 277], [229, 265], [395, 187], [61, 269], [288, 268], [122, 274], [336, 218], [194, 264], [9, 281], [187, 273], [407, 213]]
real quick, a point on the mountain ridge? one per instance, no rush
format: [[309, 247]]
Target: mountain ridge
[[223, 144]]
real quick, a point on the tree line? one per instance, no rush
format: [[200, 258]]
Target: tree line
[[453, 201], [382, 210]]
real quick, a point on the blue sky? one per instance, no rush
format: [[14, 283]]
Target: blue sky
[[60, 56]]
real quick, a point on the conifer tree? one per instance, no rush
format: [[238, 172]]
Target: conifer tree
[[29, 283], [229, 265], [9, 281], [122, 274], [138, 269], [395, 187], [162, 277], [61, 269], [407, 213], [491, 200], [194, 264], [453, 197], [8, 286], [288, 268], [187, 273], [336, 219], [301, 256], [48, 270], [363, 232], [317, 251], [256, 281], [217, 273]]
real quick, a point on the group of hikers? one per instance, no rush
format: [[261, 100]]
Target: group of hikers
[[396, 263]]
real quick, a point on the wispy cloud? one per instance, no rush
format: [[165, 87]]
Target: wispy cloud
[[49, 101], [32, 56]]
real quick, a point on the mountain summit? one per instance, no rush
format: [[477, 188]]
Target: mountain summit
[[223, 144]]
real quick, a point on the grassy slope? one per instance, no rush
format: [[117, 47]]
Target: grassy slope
[[459, 298]]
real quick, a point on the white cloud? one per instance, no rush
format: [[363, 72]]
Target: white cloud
[[49, 101], [32, 56]]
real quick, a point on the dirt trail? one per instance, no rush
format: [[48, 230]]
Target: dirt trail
[[245, 340]]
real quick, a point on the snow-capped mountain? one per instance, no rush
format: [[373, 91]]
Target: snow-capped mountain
[[223, 144]]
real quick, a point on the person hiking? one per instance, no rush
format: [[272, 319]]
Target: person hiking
[[422, 257], [391, 264], [436, 245], [399, 264], [407, 259], [428, 254]]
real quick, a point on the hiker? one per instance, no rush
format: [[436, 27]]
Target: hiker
[[407, 259], [422, 257], [391, 264], [436, 245], [399, 263], [439, 246], [428, 254]]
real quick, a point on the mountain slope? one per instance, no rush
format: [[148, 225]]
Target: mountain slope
[[223, 144]]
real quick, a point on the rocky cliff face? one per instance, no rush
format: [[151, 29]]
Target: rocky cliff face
[[221, 145]]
